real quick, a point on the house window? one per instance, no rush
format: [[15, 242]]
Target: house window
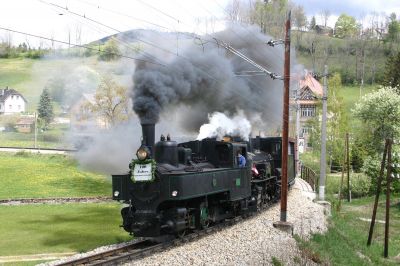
[[19, 107], [12, 96], [10, 106], [305, 130], [17, 97], [308, 111]]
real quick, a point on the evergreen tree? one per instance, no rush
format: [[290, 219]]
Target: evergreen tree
[[393, 29], [392, 74], [45, 108], [313, 23]]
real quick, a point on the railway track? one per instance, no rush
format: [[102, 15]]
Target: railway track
[[53, 200], [143, 248]]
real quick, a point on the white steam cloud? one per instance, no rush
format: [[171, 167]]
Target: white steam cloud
[[221, 125]]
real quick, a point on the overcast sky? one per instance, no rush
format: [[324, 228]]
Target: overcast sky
[[351, 7], [36, 17]]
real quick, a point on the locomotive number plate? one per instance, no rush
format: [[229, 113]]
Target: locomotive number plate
[[142, 172]]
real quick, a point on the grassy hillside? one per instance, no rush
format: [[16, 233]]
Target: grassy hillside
[[346, 56], [352, 94], [30, 76]]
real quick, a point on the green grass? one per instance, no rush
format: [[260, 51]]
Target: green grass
[[26, 175], [34, 229], [14, 71], [351, 95], [347, 237], [52, 138]]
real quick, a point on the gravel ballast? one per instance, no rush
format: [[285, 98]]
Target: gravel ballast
[[254, 241]]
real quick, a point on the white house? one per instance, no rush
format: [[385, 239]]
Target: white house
[[11, 101]]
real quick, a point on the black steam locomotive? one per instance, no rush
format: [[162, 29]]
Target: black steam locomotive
[[173, 188]]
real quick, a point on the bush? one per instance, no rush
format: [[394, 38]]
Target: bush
[[360, 185], [371, 168]]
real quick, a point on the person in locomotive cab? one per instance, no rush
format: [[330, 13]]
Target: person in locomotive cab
[[240, 159]]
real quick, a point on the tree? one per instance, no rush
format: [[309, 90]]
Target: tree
[[345, 26], [337, 124], [379, 112], [45, 108], [325, 14], [313, 23], [110, 51], [393, 28], [271, 16], [392, 74], [111, 102], [299, 17], [239, 11]]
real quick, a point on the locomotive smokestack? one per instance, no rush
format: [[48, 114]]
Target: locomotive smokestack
[[148, 133]]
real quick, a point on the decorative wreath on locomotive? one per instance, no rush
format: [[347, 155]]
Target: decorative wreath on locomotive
[[172, 188]]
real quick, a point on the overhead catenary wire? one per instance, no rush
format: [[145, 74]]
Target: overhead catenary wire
[[218, 42], [139, 39], [80, 45], [101, 24], [123, 14], [236, 52], [233, 31]]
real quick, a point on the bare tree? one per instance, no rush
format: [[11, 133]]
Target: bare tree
[[240, 10], [232, 10], [325, 14], [111, 102], [27, 42]]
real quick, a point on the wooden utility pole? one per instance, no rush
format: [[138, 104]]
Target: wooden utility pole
[[342, 178], [378, 192], [35, 143], [388, 179], [285, 131], [323, 138], [348, 168]]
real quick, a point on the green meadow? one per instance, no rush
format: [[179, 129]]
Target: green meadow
[[29, 175]]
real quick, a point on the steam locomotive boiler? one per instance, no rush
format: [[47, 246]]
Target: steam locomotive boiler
[[173, 188]]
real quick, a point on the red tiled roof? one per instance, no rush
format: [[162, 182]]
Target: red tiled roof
[[312, 83], [26, 121]]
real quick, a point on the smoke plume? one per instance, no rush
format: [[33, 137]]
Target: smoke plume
[[204, 78]]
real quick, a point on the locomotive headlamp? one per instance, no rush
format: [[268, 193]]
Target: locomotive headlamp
[[116, 193], [142, 153]]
